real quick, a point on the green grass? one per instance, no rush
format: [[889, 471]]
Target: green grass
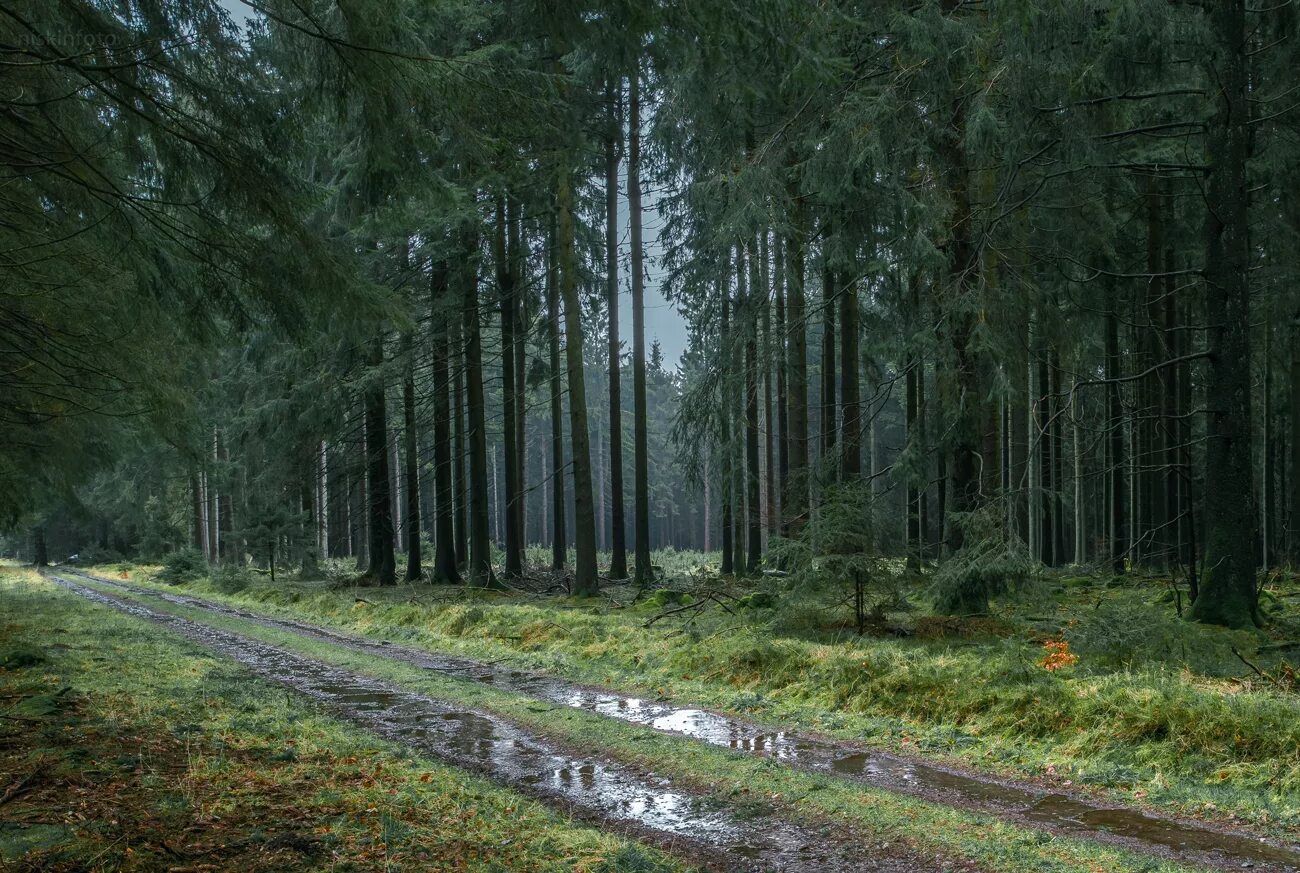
[[1153, 713], [142, 752], [738, 779]]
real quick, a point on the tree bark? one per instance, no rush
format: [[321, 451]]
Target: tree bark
[[198, 532], [517, 267], [728, 480], [382, 569], [585, 582], [480, 545], [1058, 461], [1118, 541], [1228, 595], [753, 505], [644, 572], [445, 568], [618, 551], [770, 514], [828, 417], [506, 288], [559, 541], [414, 570], [796, 503], [641, 538], [782, 364], [850, 387], [40, 555], [1293, 525], [460, 486]]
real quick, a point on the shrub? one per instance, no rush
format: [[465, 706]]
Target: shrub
[[993, 561], [181, 566], [230, 579], [1127, 633]]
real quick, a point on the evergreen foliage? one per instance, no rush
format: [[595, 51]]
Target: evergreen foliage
[[962, 283]]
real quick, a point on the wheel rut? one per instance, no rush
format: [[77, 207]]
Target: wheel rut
[[1077, 816], [610, 794]]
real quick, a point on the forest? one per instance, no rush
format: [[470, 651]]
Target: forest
[[725, 435]]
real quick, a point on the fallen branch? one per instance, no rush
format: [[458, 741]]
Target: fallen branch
[[698, 605], [1243, 660], [20, 786], [1281, 647]]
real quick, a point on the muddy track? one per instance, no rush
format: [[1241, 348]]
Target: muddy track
[[606, 793], [1076, 816]]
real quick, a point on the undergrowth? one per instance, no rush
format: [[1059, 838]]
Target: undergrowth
[[1147, 707], [127, 749]]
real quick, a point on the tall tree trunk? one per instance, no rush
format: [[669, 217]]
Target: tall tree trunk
[[363, 499], [931, 528], [602, 517], [749, 324], [1171, 379], [460, 486], [506, 288], [728, 492], [796, 502], [782, 365], [708, 507], [323, 500], [198, 533], [382, 569], [1046, 487], [517, 267], [770, 514], [496, 497], [1058, 462], [641, 538], [397, 491], [1293, 522], [734, 398], [1115, 434], [226, 551], [585, 582], [1157, 385], [1033, 445], [212, 508], [559, 542], [1266, 521], [445, 568], [964, 264], [40, 555], [1080, 504], [414, 570], [618, 552], [1228, 595], [480, 544], [916, 479], [828, 422], [850, 387]]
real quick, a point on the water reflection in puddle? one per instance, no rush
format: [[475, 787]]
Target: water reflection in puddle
[[867, 766], [488, 744]]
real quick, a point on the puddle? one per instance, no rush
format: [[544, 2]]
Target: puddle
[[601, 790], [1058, 812], [1127, 823]]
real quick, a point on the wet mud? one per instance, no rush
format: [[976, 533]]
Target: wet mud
[[1026, 804], [613, 795]]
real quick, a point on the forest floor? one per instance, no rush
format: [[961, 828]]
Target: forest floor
[[123, 747], [778, 666]]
